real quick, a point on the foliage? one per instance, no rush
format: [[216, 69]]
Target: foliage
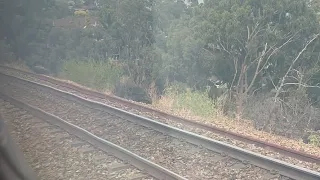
[[245, 36], [186, 54], [196, 102], [314, 140], [25, 25], [81, 13], [95, 74], [129, 90], [130, 24]]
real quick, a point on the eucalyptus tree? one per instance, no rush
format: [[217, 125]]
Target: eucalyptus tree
[[252, 39]]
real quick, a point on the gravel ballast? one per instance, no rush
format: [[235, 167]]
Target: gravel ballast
[[248, 146], [56, 154], [179, 156]]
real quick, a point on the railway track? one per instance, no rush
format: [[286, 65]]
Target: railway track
[[60, 150], [240, 140], [191, 155]]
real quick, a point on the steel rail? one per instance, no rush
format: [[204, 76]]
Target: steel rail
[[265, 162], [106, 146], [277, 148]]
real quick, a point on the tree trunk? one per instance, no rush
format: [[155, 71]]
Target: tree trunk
[[241, 93]]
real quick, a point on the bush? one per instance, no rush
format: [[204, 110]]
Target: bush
[[129, 90], [314, 140], [197, 102], [291, 116], [80, 13], [100, 75]]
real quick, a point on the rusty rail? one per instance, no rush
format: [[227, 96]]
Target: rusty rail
[[271, 164], [283, 150]]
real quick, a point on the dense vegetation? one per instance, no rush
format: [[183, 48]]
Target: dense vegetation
[[264, 55]]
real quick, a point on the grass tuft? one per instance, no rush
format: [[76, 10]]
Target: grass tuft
[[98, 75], [191, 102]]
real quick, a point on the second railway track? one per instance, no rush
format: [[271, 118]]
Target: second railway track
[[178, 155], [300, 158]]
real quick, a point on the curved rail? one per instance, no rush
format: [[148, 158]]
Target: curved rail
[[141, 163], [283, 150], [271, 164]]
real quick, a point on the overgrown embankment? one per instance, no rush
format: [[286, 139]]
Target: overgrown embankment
[[94, 74]]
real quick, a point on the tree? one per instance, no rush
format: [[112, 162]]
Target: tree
[[246, 37], [130, 24], [21, 22]]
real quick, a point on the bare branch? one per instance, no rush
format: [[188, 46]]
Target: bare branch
[[263, 53], [300, 84], [235, 61], [275, 51], [298, 72], [248, 30], [243, 46], [220, 43], [293, 78], [293, 63], [275, 87], [253, 33], [261, 58], [208, 51]]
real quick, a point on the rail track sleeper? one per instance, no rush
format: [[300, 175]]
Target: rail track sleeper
[[238, 166], [86, 149], [118, 166], [57, 131], [26, 116], [137, 177], [77, 143]]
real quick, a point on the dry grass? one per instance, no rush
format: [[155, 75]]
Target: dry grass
[[100, 75], [61, 79], [18, 65], [244, 127], [152, 92]]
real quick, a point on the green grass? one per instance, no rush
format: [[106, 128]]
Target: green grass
[[196, 102], [94, 74]]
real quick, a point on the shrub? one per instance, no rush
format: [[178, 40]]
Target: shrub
[[80, 13], [196, 102], [127, 89], [314, 140], [291, 116], [101, 75]]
